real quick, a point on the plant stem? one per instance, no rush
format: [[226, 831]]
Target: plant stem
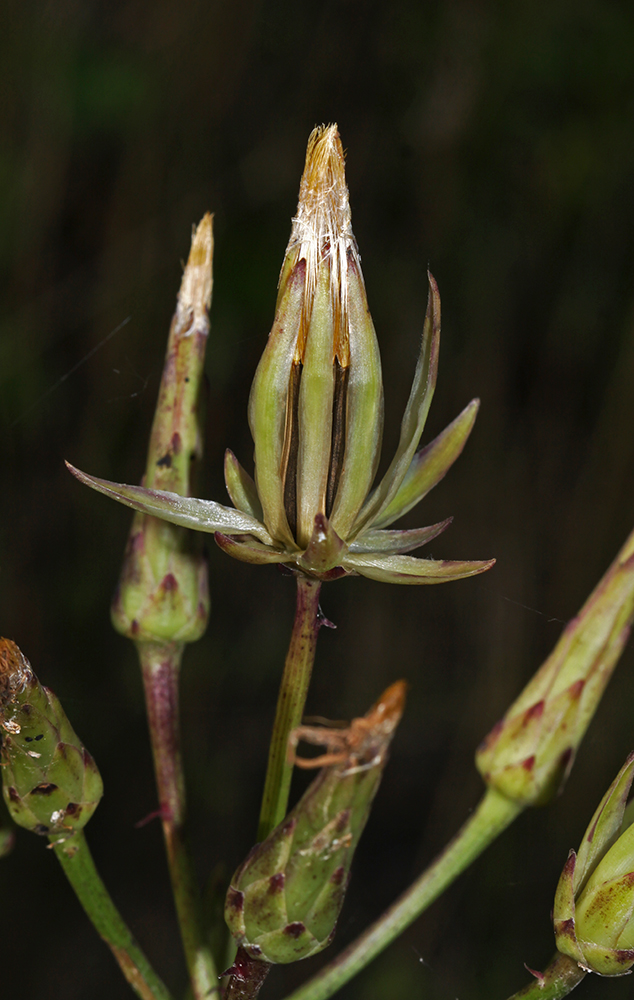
[[494, 813], [76, 860], [561, 976], [290, 703], [160, 667]]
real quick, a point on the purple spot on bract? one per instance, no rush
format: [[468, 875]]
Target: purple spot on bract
[[235, 899], [337, 876], [46, 788], [342, 820], [73, 809], [13, 795], [276, 882], [169, 582], [295, 930]]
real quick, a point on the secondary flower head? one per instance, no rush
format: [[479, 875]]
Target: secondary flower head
[[593, 913], [529, 753], [316, 416], [284, 900]]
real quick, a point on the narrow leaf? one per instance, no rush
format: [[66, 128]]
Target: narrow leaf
[[430, 465], [407, 569], [393, 542], [200, 515]]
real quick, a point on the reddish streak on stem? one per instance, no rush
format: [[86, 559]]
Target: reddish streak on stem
[[160, 667]]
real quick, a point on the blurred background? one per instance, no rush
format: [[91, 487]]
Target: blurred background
[[491, 141]]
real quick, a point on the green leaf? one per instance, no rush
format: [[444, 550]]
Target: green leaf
[[430, 465], [200, 515], [407, 569], [414, 417], [392, 542]]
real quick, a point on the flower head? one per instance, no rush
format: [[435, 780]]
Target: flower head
[[316, 416]]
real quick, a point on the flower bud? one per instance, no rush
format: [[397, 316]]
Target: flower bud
[[593, 913], [316, 405], [50, 782], [528, 755], [316, 417], [162, 593], [284, 900]]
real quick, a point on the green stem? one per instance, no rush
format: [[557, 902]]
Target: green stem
[[561, 976], [290, 703], [160, 667], [494, 813], [79, 867]]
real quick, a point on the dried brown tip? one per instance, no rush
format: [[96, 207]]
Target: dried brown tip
[[322, 229], [15, 671], [387, 711], [194, 297]]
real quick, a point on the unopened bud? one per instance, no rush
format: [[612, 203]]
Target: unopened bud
[[163, 593], [50, 782], [528, 755], [284, 901]]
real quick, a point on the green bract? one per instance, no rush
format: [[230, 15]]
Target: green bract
[[50, 782], [593, 913], [316, 416]]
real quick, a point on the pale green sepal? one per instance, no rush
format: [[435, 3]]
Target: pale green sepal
[[364, 408], [268, 403], [200, 515], [430, 465], [398, 542], [414, 417], [408, 569], [316, 396], [241, 487], [248, 549], [325, 549], [605, 826]]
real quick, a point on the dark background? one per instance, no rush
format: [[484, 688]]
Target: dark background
[[494, 142]]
